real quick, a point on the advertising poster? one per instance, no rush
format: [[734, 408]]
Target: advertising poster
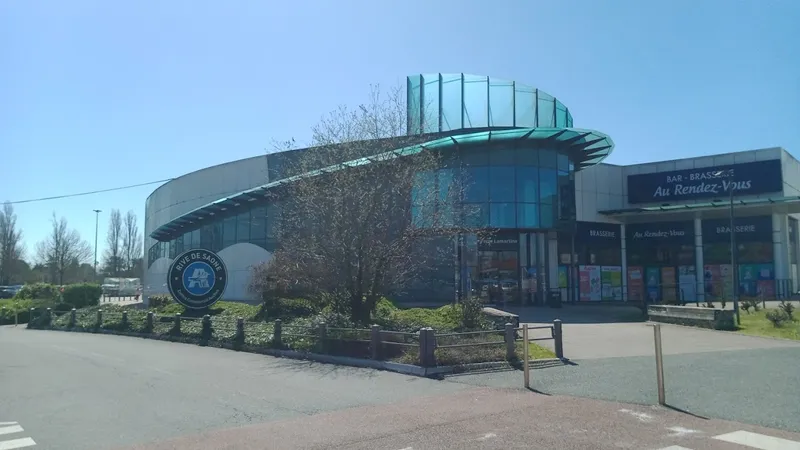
[[635, 284], [595, 283], [562, 276], [653, 283], [606, 287], [712, 280], [687, 282], [748, 280], [584, 284], [668, 291], [533, 282]]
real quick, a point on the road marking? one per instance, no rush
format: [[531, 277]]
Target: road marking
[[7, 423], [680, 431], [16, 443], [759, 441], [675, 447], [10, 429], [487, 436], [643, 417]]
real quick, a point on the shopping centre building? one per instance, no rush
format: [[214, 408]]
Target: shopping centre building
[[559, 219]]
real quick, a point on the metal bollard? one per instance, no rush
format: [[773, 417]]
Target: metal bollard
[[277, 331], [558, 339], [239, 340], [72, 318], [323, 337], [99, 318], [659, 365], [49, 316], [149, 323], [176, 328], [526, 366], [375, 341], [511, 342], [124, 319], [205, 334]]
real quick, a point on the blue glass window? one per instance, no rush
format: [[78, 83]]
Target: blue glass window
[[502, 215], [243, 227], [548, 185], [448, 186], [476, 215], [502, 155], [563, 162], [258, 226], [501, 184], [548, 158], [527, 215], [228, 231], [474, 155], [216, 236], [422, 215], [546, 216], [476, 184], [527, 184], [205, 237], [424, 188], [527, 156]]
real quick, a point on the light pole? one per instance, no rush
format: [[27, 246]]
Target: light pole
[[729, 174], [96, 228]]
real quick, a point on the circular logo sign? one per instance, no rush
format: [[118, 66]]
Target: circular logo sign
[[197, 278]]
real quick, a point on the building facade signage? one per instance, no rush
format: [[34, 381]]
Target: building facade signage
[[759, 177], [748, 229], [499, 242], [598, 233], [197, 278], [644, 233]]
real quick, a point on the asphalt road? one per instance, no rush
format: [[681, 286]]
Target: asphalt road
[[83, 391]]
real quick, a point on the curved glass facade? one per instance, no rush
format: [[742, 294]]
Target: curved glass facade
[[520, 186], [256, 225], [445, 102]]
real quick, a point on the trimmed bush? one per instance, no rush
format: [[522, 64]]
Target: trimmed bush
[[82, 295], [160, 301], [778, 317], [38, 291]]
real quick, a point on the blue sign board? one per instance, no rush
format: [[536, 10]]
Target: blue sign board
[[759, 177], [197, 278]]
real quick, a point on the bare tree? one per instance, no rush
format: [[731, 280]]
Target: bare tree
[[11, 248], [347, 235], [131, 243], [62, 249], [113, 260]]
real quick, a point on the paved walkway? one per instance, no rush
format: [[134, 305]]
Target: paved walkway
[[594, 332]]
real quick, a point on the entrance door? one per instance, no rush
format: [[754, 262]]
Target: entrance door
[[534, 270]]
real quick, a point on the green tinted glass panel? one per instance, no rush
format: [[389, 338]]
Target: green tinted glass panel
[[430, 103], [527, 215], [501, 103], [476, 105], [502, 215], [451, 102], [476, 215], [525, 106]]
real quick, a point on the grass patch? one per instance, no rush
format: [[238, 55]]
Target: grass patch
[[756, 324]]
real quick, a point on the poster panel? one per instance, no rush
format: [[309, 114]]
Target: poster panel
[[562, 276], [668, 288], [584, 284], [653, 283], [606, 288], [635, 284], [595, 283], [687, 282]]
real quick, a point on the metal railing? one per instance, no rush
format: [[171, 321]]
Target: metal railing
[[425, 347]]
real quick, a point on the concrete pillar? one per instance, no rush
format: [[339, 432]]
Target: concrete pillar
[[780, 249], [698, 260], [624, 263]]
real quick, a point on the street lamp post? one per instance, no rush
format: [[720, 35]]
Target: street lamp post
[[734, 272], [96, 228]]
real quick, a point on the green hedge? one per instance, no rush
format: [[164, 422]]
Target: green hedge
[[82, 295], [38, 291]]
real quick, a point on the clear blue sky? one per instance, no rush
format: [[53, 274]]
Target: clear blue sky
[[98, 94]]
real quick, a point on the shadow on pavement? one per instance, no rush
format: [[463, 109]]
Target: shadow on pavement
[[578, 314]]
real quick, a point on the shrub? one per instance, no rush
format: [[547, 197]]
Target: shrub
[[748, 303], [36, 291], [82, 295], [290, 308], [160, 301], [788, 308], [778, 317]]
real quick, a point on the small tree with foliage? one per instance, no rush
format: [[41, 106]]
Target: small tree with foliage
[[347, 237]]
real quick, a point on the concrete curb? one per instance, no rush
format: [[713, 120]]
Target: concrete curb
[[407, 369], [728, 332]]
